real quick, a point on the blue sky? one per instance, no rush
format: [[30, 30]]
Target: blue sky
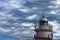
[[18, 17]]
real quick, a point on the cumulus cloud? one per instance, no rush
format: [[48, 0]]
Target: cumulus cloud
[[27, 24], [58, 2], [31, 17], [25, 10], [55, 26], [53, 12]]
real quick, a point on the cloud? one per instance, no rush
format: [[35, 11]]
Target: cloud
[[27, 24], [4, 30], [11, 4], [26, 32], [55, 26], [53, 12], [31, 17], [25, 10], [58, 2], [18, 16]]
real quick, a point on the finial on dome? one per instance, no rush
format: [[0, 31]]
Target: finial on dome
[[43, 18], [43, 15]]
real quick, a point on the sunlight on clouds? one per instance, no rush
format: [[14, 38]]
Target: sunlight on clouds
[[34, 8], [53, 12], [13, 27], [53, 7], [50, 6], [57, 33], [55, 25], [15, 5], [31, 17], [27, 24], [26, 32], [58, 2], [56, 38], [32, 28], [24, 10]]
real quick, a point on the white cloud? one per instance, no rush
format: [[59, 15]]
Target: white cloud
[[26, 10], [4, 30], [32, 28], [13, 28], [55, 26], [4, 16], [58, 2], [50, 6], [11, 4], [15, 3], [53, 12], [27, 24], [31, 17], [35, 8], [26, 32], [57, 34]]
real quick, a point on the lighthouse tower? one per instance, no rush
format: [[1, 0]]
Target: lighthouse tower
[[43, 32]]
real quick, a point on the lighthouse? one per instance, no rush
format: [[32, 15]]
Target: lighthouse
[[43, 32]]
